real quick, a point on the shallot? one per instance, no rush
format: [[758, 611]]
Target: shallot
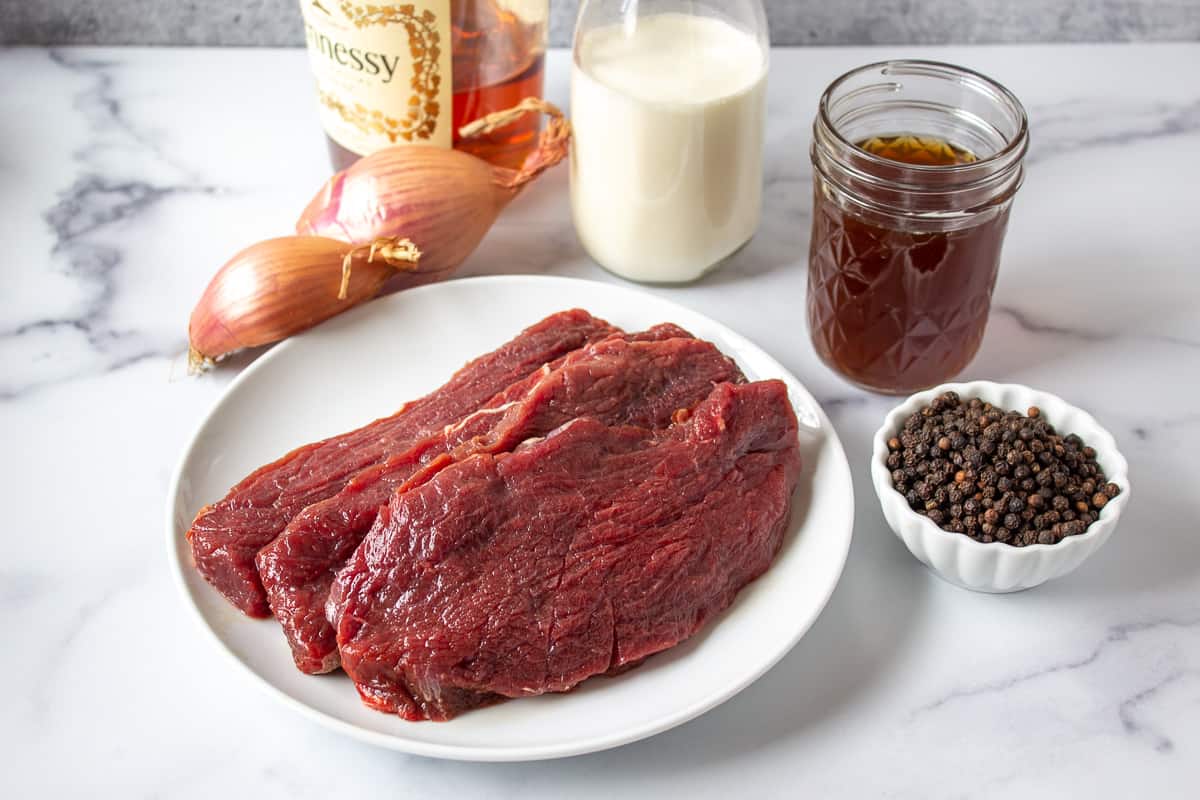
[[362, 230], [445, 200], [280, 287]]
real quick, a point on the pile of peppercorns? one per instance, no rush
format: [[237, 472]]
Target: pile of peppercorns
[[996, 475]]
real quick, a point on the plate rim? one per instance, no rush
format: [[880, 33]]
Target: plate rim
[[521, 753]]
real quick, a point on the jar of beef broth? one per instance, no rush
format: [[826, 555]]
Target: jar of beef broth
[[915, 165]]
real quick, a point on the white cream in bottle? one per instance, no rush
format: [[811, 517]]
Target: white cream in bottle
[[666, 162]]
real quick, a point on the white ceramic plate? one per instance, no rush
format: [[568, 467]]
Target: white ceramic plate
[[360, 366]]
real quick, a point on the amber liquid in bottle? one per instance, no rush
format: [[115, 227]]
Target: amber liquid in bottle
[[897, 310], [498, 60]]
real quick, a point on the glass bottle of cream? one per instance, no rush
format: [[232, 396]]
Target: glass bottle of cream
[[668, 106]]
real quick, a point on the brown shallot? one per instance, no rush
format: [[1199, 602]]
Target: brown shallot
[[362, 231], [280, 287], [445, 200]]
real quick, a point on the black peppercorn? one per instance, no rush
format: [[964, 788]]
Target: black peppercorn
[[1074, 528], [996, 475]]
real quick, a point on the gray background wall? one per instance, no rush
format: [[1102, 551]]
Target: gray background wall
[[799, 22]]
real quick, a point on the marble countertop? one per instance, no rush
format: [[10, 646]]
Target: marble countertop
[[128, 176]]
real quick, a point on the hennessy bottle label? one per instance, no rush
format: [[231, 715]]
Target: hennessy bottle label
[[382, 71]]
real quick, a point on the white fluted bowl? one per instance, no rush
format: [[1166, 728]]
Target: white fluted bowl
[[995, 566]]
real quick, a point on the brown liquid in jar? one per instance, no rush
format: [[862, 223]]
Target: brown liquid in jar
[[894, 310]]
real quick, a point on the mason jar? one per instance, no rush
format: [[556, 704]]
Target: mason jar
[[915, 166]]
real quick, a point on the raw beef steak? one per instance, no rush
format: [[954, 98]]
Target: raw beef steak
[[574, 555], [226, 536], [642, 379]]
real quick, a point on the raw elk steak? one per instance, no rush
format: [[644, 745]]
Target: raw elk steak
[[641, 379], [226, 536], [508, 575]]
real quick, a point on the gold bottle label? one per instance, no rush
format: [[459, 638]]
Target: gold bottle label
[[382, 71]]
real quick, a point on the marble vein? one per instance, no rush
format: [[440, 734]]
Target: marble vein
[[1116, 635], [1127, 711], [1030, 324], [836, 404], [82, 617], [1145, 432], [102, 105], [1069, 127], [98, 200]]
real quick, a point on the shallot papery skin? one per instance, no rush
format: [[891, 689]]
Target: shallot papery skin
[[363, 230], [444, 200], [280, 287]]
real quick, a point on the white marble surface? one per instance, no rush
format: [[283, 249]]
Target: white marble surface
[[128, 176]]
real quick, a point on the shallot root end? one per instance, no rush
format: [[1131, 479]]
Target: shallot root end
[[198, 363]]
